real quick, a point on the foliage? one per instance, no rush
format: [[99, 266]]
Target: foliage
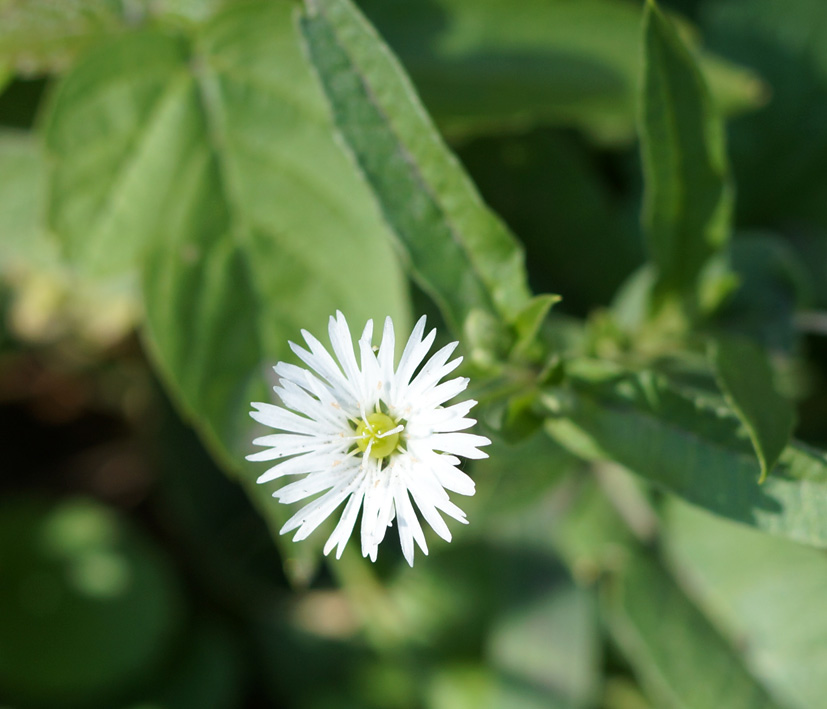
[[624, 229]]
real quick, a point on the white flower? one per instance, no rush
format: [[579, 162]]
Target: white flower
[[369, 435]]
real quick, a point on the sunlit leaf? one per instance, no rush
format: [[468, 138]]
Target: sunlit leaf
[[462, 254], [209, 161], [694, 446]]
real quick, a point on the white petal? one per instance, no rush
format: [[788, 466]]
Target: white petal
[[277, 417], [315, 483], [408, 524], [433, 370], [414, 352], [385, 358], [302, 465], [342, 343], [344, 528], [464, 444]]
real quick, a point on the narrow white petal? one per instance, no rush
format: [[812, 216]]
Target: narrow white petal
[[408, 524], [277, 417], [342, 343], [464, 444], [385, 358], [344, 528], [314, 484], [414, 352], [433, 370], [305, 464]]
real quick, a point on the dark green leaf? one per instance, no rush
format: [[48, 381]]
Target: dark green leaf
[[745, 376], [778, 153], [481, 66], [675, 651], [462, 254], [212, 161], [693, 445], [688, 196]]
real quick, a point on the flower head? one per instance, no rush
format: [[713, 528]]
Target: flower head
[[369, 434]]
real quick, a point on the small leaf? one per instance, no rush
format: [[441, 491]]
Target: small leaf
[[530, 319], [746, 377], [688, 195], [461, 253]]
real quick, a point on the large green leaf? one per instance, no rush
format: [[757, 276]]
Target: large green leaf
[[678, 655], [41, 35], [688, 196], [212, 160], [693, 445], [462, 254], [745, 376], [765, 594], [482, 65]]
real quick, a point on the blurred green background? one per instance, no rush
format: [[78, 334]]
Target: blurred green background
[[134, 574]]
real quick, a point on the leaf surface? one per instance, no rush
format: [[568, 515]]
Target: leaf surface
[[693, 445], [210, 165], [745, 376], [462, 254], [688, 196]]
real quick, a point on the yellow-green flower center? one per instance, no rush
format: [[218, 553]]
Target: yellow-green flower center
[[373, 431]]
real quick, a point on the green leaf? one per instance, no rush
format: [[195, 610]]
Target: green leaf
[[688, 196], [530, 320], [88, 605], [691, 444], [22, 203], [674, 650], [462, 254], [765, 594], [210, 162], [481, 66], [39, 36], [777, 153], [745, 376], [551, 644]]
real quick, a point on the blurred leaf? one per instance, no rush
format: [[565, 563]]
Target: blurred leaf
[[773, 284], [502, 495], [746, 378], [39, 36], [530, 319], [88, 605], [688, 196], [216, 157], [462, 254], [22, 203], [551, 646], [481, 66], [778, 153], [765, 594], [691, 444], [674, 650], [207, 676]]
